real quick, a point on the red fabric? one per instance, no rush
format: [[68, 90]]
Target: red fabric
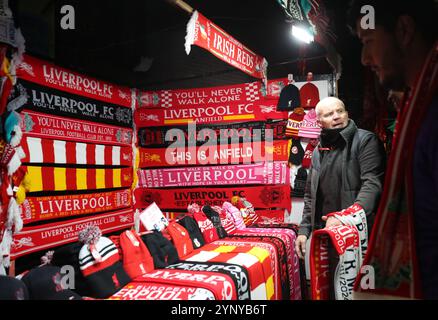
[[137, 259], [180, 238], [309, 95], [307, 159], [207, 228]]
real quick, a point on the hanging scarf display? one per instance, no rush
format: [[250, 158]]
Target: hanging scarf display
[[39, 150], [191, 135], [205, 34], [60, 179], [260, 173], [42, 125], [213, 96], [269, 196], [33, 239], [49, 75], [158, 291], [51, 207], [392, 244], [206, 114], [48, 100], [247, 152]]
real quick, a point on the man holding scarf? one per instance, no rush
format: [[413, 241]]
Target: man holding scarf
[[347, 168], [401, 48]]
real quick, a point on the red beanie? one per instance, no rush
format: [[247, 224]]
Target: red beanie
[[137, 259], [180, 238]]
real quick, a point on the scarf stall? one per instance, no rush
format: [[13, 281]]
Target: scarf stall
[[181, 193], [77, 143]]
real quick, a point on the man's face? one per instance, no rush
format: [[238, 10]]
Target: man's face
[[381, 53], [332, 116]]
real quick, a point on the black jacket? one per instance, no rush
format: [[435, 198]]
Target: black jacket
[[362, 167]]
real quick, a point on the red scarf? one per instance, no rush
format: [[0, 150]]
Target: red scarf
[[392, 244]]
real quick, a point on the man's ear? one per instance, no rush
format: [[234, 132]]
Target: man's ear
[[404, 31]]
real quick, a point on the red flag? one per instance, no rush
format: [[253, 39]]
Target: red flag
[[205, 34]]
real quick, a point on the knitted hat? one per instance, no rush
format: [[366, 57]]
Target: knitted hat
[[47, 283], [161, 249], [100, 263], [236, 214], [227, 220], [307, 159], [208, 230], [136, 257], [69, 255], [247, 209], [289, 98], [180, 238], [296, 152], [213, 215], [300, 183], [309, 126], [309, 95], [294, 122], [192, 227], [12, 289]]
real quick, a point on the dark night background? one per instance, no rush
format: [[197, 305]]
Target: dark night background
[[111, 37]]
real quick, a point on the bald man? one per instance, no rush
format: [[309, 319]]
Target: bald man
[[347, 168]]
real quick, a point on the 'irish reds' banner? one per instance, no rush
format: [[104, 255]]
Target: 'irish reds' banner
[[206, 114], [51, 207], [259, 173], [246, 152], [49, 75], [32, 239], [205, 34], [42, 125], [269, 196]]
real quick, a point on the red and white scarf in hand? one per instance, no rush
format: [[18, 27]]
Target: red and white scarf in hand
[[350, 241]]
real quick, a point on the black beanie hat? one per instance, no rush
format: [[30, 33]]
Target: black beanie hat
[[69, 255], [296, 152], [300, 183], [289, 98], [195, 233], [215, 219], [161, 249], [12, 289], [46, 283]]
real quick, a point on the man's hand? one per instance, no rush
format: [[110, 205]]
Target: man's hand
[[300, 246], [331, 221]]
